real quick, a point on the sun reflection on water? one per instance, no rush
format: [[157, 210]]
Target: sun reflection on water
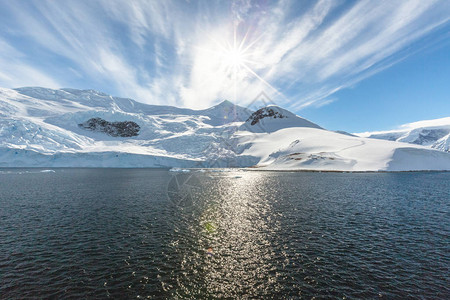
[[233, 233]]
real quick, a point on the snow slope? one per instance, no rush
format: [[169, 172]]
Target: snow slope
[[314, 149], [431, 133], [40, 127]]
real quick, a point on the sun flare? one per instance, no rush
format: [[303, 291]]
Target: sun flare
[[234, 58], [232, 55]]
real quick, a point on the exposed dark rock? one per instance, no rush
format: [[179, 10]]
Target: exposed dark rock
[[263, 113], [116, 129]]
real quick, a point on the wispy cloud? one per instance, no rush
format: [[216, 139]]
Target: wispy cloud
[[15, 70], [172, 52]]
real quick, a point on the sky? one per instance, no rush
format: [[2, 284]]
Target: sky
[[346, 65]]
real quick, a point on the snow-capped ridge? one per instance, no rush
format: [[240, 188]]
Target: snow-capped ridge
[[427, 123], [431, 133], [222, 113], [224, 103], [225, 112]]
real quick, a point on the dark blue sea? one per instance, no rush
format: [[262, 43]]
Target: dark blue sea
[[156, 234]]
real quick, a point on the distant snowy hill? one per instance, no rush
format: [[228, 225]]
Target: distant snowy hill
[[431, 133], [42, 127]]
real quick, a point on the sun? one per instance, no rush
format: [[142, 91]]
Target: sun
[[234, 57], [234, 54]]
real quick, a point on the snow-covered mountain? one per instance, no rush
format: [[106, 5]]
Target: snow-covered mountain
[[431, 133], [40, 126], [85, 128]]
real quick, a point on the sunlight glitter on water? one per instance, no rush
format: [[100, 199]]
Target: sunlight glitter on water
[[233, 237]]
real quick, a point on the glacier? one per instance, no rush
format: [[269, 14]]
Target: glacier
[[431, 133], [41, 127]]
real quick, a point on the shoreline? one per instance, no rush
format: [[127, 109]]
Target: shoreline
[[231, 169]]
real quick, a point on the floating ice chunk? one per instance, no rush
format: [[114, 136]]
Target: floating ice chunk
[[179, 170]]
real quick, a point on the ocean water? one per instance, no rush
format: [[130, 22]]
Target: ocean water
[[155, 234]]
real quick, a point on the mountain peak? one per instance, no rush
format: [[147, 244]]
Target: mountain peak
[[225, 103], [226, 112]]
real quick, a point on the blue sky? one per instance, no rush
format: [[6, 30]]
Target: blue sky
[[348, 65]]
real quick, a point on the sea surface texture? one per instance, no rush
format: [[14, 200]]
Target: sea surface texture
[[145, 233]]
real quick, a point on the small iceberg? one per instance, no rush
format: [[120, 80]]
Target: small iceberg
[[48, 171], [179, 170]]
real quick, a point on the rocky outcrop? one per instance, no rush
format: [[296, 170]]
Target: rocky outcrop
[[116, 129], [264, 113]]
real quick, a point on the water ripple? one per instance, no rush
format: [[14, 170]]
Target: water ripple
[[96, 233]]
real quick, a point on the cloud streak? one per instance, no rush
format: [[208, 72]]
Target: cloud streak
[[172, 52]]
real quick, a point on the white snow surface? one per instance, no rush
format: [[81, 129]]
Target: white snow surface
[[39, 128], [316, 149]]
